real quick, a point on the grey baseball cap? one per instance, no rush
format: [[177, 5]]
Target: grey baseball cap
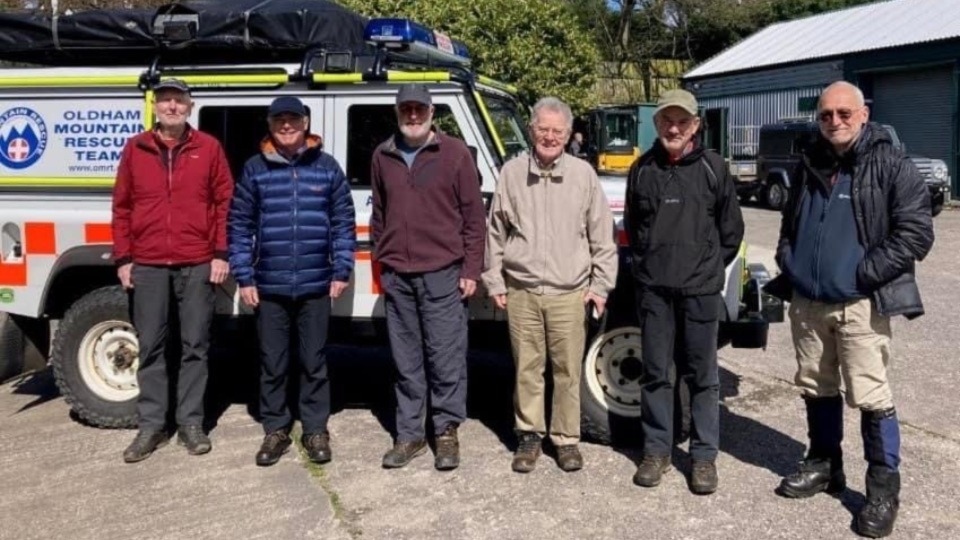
[[172, 84], [416, 93], [677, 98]]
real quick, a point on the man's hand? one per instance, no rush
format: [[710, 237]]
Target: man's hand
[[500, 300], [337, 288], [123, 272], [218, 271], [597, 300], [250, 296], [467, 287]]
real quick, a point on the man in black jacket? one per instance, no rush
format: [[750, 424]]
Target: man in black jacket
[[858, 219], [684, 226]]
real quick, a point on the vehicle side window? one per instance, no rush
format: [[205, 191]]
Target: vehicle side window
[[370, 125], [240, 129]]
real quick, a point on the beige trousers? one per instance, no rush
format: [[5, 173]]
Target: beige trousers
[[848, 342], [542, 326]]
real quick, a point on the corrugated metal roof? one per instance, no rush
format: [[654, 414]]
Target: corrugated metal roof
[[863, 28]]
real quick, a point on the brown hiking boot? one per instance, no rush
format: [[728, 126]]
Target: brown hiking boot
[[403, 453], [651, 470], [569, 458], [317, 446], [525, 458], [448, 450], [703, 477], [274, 445]]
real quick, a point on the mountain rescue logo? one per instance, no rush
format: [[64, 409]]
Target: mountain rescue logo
[[23, 137]]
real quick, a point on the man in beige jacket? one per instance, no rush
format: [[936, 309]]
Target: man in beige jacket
[[550, 257]]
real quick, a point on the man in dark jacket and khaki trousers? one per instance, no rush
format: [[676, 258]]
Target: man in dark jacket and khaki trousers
[[170, 205], [684, 226], [428, 229], [857, 221]]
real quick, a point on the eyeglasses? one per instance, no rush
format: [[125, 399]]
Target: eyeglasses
[[544, 131], [844, 115], [409, 109]]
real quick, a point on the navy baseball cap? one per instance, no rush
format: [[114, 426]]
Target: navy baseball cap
[[172, 84], [287, 105], [416, 93]]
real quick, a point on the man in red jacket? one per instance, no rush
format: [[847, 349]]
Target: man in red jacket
[[170, 204]]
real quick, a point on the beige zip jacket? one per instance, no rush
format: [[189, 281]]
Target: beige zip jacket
[[551, 230]]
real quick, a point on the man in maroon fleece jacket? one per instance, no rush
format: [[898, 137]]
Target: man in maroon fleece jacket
[[428, 227], [170, 204]]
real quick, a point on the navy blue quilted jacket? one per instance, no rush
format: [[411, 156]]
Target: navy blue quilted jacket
[[292, 229]]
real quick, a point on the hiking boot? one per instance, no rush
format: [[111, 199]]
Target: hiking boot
[[878, 515], [448, 450], [651, 470], [275, 445], [815, 475], [703, 477], [317, 446], [529, 449], [144, 444], [194, 439], [403, 453], [569, 458]]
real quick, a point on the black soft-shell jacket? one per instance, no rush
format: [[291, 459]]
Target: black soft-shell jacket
[[891, 208], [683, 221]]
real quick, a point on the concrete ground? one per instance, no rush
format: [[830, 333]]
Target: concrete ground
[[61, 479]]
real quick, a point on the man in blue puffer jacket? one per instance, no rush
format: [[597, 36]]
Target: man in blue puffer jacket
[[292, 238]]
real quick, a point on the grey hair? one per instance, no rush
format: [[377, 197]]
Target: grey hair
[[552, 104], [857, 92]]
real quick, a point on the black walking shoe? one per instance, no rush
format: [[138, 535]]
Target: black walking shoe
[[317, 446], [651, 470], [144, 444], [703, 477], [815, 475], [275, 445], [877, 517], [528, 451], [194, 439], [448, 450], [403, 453]]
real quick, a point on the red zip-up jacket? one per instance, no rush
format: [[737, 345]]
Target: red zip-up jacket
[[170, 203]]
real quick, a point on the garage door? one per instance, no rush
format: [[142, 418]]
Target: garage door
[[920, 105]]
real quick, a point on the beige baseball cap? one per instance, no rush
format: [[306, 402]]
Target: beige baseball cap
[[677, 98]]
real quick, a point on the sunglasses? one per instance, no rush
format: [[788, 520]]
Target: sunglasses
[[843, 114]]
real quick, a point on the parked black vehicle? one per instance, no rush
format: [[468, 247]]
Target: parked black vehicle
[[779, 152]]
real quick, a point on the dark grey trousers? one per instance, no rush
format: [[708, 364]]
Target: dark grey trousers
[[427, 323], [192, 293], [692, 322], [278, 320]]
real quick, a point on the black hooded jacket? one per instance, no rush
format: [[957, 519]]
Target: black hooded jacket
[[891, 208], [683, 221]]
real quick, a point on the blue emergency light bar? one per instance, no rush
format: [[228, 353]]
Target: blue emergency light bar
[[422, 43]]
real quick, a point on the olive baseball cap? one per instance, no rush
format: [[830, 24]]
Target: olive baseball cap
[[677, 98], [172, 84]]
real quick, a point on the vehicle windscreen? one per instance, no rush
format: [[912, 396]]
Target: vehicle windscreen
[[620, 131], [508, 123]]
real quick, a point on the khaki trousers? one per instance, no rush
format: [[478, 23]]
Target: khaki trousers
[[849, 341], [541, 326]]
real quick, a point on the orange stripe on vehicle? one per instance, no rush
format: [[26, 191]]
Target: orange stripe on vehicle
[[363, 229], [13, 274], [41, 239], [97, 233], [374, 269]]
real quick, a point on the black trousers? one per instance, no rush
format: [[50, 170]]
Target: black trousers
[[427, 323], [690, 322], [192, 293], [279, 320]]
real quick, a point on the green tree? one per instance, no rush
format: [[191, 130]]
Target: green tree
[[541, 46]]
